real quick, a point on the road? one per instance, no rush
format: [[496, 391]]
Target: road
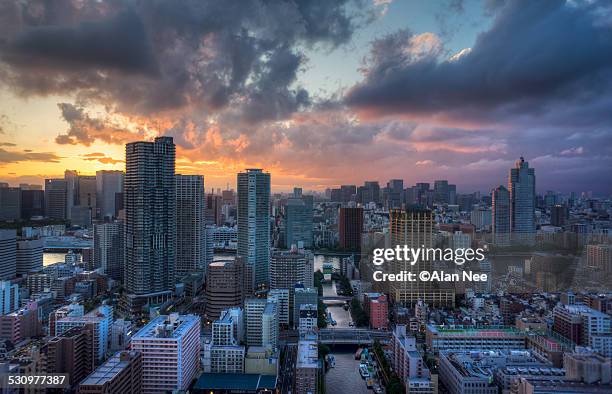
[[288, 369]]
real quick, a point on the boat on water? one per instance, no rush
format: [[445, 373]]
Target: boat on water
[[358, 354], [331, 360], [370, 383], [363, 371]]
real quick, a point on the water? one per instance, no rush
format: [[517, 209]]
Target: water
[[345, 378], [52, 258]]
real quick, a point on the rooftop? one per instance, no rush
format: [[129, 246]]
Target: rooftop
[[111, 368], [172, 326], [237, 382], [308, 354]]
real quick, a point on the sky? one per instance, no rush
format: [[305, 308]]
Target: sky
[[319, 93]]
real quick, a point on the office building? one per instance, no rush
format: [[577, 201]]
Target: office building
[[32, 203], [226, 355], [253, 312], [394, 193], [122, 373], [108, 185], [9, 297], [369, 192], [10, 203], [558, 215], [379, 312], [269, 326], [289, 267], [302, 296], [108, 249], [254, 223], [99, 319], [581, 324], [224, 286], [600, 257], [350, 227], [282, 299], [482, 218], [190, 226], [465, 372], [408, 363], [86, 196], [470, 338], [29, 255], [8, 254], [212, 210], [70, 352], [298, 223], [307, 365], [150, 222], [414, 228], [521, 186], [56, 197], [170, 348], [71, 177], [500, 216], [308, 317]]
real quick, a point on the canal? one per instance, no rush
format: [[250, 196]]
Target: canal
[[345, 378]]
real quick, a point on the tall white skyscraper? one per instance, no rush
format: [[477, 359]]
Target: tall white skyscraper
[[190, 224], [521, 185], [254, 223], [108, 185]]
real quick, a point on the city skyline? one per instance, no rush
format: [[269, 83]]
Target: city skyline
[[316, 105]]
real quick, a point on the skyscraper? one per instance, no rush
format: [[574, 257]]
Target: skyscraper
[[369, 192], [414, 228], [254, 223], [521, 185], [394, 193], [8, 254], [71, 177], [190, 226], [10, 203], [108, 249], [500, 216], [224, 286], [56, 192], [108, 184], [350, 227], [150, 218], [32, 203], [212, 210], [298, 223]]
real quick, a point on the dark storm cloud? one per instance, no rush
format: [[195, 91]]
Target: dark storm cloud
[[534, 55], [119, 42], [147, 57]]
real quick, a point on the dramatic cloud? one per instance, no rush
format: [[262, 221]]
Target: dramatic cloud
[[535, 55], [85, 130], [152, 56]]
